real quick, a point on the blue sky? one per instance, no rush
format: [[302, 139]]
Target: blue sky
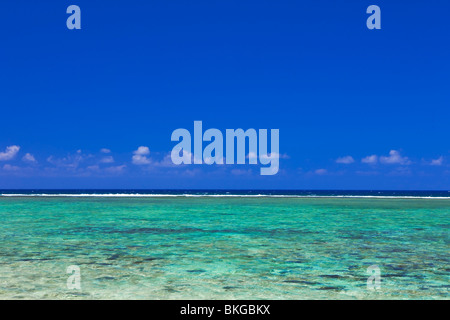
[[356, 108]]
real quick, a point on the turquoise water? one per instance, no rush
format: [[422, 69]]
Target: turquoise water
[[223, 247]]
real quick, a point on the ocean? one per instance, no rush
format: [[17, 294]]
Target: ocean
[[224, 244]]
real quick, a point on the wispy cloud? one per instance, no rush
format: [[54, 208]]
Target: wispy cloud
[[29, 158], [107, 159], [71, 161], [109, 170], [105, 150], [395, 158], [116, 169], [9, 153], [370, 159], [321, 172], [437, 162], [8, 167], [166, 162], [345, 160]]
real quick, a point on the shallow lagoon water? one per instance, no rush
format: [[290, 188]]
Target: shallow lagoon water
[[223, 247]]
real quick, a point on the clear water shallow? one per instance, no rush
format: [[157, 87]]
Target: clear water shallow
[[223, 247]]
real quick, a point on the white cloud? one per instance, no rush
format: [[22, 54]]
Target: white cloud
[[29, 158], [186, 155], [111, 170], [437, 162], [116, 169], [165, 162], [71, 161], [140, 160], [142, 151], [140, 156], [108, 159], [105, 150], [321, 172], [395, 158], [8, 167], [345, 160], [370, 159], [9, 153]]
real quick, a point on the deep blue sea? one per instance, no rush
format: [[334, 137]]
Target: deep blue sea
[[224, 192]]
